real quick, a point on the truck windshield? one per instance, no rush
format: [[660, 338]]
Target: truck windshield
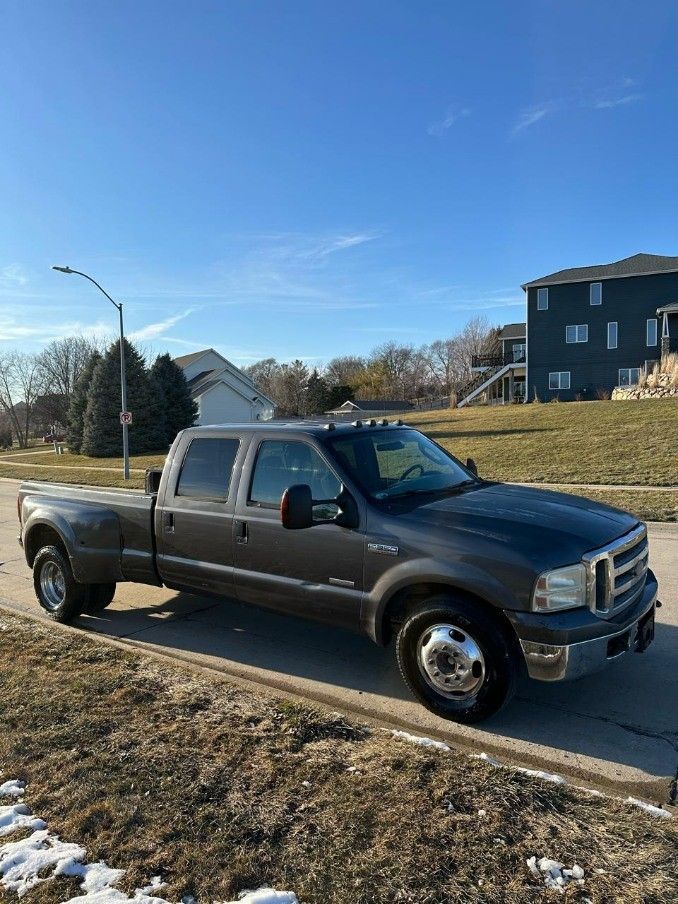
[[398, 462]]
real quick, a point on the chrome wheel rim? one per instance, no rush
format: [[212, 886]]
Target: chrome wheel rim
[[451, 661], [52, 585]]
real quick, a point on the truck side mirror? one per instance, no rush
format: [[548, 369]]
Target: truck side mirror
[[296, 507], [472, 466]]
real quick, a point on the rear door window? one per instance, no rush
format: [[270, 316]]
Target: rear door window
[[207, 468]]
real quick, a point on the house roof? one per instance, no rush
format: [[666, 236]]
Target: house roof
[[671, 308], [512, 331], [636, 265], [185, 360], [374, 405]]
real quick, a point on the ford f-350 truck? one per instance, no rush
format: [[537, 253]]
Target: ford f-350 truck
[[369, 526]]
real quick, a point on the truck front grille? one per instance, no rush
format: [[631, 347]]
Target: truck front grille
[[617, 572]]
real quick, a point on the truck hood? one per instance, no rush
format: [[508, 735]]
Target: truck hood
[[536, 521]]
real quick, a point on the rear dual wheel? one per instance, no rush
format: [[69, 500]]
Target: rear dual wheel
[[59, 594], [457, 659]]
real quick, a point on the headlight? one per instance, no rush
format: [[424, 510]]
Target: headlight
[[562, 588]]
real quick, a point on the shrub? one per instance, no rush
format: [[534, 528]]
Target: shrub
[[603, 395], [669, 365]]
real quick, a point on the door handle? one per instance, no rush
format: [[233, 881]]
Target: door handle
[[241, 534], [169, 522]]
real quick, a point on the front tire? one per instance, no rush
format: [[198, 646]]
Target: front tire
[[58, 592], [457, 659]]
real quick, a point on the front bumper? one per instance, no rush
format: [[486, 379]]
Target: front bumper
[[594, 642]]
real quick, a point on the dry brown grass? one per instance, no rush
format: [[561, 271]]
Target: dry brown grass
[[159, 770]]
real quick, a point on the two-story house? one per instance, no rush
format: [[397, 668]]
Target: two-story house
[[590, 329], [587, 330]]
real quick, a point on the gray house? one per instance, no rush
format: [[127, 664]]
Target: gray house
[[587, 330], [590, 329], [499, 378]]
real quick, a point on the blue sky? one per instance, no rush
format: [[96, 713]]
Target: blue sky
[[310, 179]]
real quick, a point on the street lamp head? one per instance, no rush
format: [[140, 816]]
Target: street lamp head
[[62, 269]]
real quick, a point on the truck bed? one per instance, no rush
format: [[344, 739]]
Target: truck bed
[[108, 532]]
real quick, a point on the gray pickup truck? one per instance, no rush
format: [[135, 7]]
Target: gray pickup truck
[[370, 526]]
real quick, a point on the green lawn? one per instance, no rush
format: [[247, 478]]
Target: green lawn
[[69, 468], [578, 442], [575, 442]]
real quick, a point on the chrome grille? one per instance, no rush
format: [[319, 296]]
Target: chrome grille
[[617, 572]]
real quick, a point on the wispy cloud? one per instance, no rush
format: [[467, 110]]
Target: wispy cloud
[[13, 275], [154, 330], [618, 94], [452, 114], [16, 329], [531, 115]]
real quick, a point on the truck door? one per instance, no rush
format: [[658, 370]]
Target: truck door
[[316, 572], [194, 523]]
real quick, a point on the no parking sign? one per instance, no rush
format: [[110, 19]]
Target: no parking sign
[[126, 417]]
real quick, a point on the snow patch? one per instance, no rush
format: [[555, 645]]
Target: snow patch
[[649, 808], [266, 896], [43, 857], [421, 742], [18, 816], [12, 788], [554, 874]]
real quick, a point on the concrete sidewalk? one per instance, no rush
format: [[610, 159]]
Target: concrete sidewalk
[[615, 730]]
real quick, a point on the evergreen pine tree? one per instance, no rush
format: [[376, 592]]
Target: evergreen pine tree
[[317, 394], [78, 406], [102, 433], [171, 394]]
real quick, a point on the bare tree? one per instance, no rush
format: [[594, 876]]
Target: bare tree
[[264, 374], [478, 337], [397, 361], [61, 363], [20, 386], [344, 370]]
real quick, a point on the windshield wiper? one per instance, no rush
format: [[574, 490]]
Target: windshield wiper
[[448, 491]]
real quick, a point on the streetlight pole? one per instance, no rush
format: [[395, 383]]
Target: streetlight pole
[[123, 375]]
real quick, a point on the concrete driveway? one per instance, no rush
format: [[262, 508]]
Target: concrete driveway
[[618, 729]]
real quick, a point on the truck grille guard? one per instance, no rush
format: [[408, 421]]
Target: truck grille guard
[[616, 573]]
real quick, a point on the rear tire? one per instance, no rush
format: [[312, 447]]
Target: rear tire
[[58, 592], [99, 596], [457, 659]]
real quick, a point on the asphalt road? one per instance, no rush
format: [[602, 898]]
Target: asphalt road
[[617, 729]]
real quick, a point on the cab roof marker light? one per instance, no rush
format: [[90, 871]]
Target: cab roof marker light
[[373, 423], [399, 423], [383, 422], [330, 426], [357, 423]]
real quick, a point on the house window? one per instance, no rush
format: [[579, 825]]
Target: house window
[[578, 333], [542, 299], [596, 293], [612, 338], [519, 351], [651, 331], [559, 379], [629, 376]]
